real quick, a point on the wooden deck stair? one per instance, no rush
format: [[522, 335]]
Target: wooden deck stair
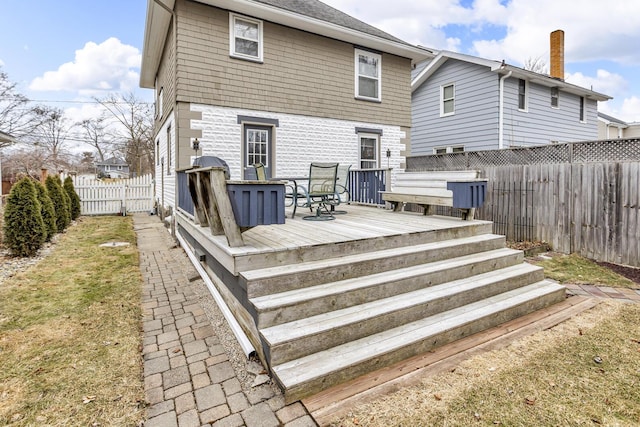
[[326, 321]]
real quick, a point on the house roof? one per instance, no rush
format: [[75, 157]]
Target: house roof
[[308, 15], [611, 120], [113, 161], [501, 68]]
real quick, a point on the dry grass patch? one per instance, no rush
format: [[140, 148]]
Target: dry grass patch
[[582, 372], [578, 270], [70, 333]]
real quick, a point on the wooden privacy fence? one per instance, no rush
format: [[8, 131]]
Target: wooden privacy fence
[[588, 208], [121, 196], [579, 197]]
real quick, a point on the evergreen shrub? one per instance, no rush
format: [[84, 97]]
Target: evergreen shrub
[[24, 229]]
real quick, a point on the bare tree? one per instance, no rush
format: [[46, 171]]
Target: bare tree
[[537, 65], [136, 119], [17, 118], [52, 136], [95, 132], [24, 161]]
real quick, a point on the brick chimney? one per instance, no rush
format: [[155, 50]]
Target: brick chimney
[[557, 54]]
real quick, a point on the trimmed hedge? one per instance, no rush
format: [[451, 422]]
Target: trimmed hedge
[[47, 210], [60, 202], [24, 229], [73, 196]]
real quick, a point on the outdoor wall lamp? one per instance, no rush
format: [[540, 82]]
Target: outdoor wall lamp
[[388, 156]]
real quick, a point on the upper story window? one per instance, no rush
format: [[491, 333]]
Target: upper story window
[[368, 75], [245, 40], [522, 94], [583, 114], [447, 100], [555, 94]]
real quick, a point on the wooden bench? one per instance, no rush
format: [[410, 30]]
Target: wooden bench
[[457, 189]]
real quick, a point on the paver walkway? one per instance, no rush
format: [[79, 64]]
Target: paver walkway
[[189, 379]]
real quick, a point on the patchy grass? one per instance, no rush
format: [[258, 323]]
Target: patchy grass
[[70, 332], [583, 372], [578, 270]]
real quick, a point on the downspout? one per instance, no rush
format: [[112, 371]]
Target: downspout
[[501, 111]]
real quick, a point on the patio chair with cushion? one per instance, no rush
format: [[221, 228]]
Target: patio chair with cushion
[[320, 191]]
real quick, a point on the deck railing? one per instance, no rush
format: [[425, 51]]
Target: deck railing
[[365, 186]]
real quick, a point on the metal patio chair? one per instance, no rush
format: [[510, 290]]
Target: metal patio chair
[[320, 191]]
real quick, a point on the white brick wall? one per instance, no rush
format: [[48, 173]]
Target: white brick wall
[[299, 140]]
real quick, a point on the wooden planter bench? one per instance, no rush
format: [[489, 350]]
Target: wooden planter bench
[[458, 189]]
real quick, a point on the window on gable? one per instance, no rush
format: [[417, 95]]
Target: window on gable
[[245, 40], [447, 100], [554, 97], [583, 116], [368, 75], [522, 95]]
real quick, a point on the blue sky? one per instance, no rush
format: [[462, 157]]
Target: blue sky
[[72, 50]]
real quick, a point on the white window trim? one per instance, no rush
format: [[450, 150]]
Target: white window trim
[[159, 102], [232, 38], [377, 138], [526, 96], [557, 97], [442, 113], [448, 149], [584, 109], [356, 55]]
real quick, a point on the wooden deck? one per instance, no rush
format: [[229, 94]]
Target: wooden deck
[[268, 245], [324, 302]]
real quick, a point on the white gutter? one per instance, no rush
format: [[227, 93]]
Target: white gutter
[[501, 112], [242, 338]]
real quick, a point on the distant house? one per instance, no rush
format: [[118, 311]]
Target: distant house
[[465, 103], [612, 128], [278, 82], [113, 167]]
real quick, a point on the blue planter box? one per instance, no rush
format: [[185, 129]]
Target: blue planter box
[[468, 194], [257, 202]]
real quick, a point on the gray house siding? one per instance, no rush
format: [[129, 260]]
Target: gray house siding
[[475, 122], [543, 124]]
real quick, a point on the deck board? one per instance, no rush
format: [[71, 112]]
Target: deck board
[[358, 224]]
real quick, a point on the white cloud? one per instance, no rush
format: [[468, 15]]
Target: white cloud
[[97, 68], [611, 84], [628, 110]]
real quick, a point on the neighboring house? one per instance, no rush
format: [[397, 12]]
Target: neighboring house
[[466, 103], [611, 128], [112, 168], [278, 82]]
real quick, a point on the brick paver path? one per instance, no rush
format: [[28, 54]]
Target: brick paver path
[[189, 380]]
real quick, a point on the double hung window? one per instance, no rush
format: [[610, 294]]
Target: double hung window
[[245, 40], [368, 75]]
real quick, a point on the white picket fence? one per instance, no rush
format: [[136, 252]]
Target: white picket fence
[[121, 196]]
